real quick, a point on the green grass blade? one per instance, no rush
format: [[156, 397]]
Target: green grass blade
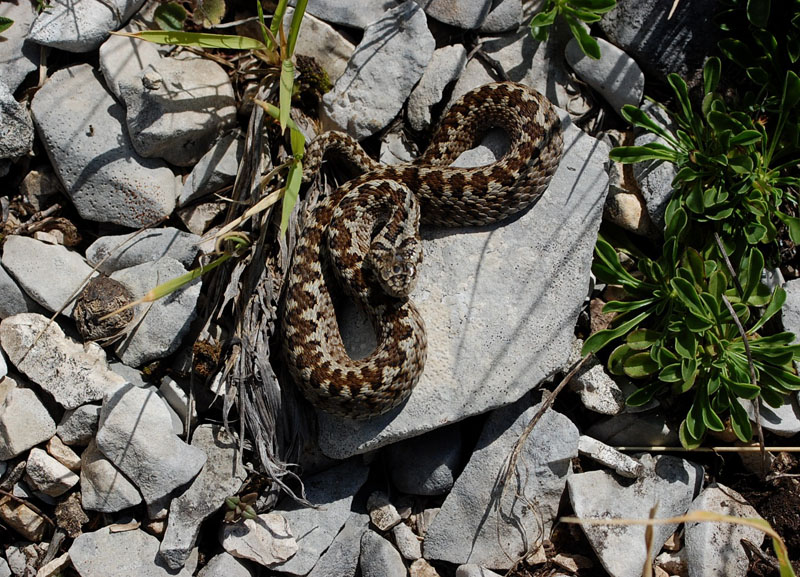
[[294, 28], [197, 39], [293, 181], [285, 92]]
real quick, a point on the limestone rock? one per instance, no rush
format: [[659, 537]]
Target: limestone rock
[[24, 422], [135, 434], [83, 130], [73, 373]]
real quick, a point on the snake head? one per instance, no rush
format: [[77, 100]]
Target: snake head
[[397, 267]]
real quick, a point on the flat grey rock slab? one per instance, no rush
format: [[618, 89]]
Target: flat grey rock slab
[[80, 25], [78, 426], [83, 131], [428, 464], [654, 177], [387, 63], [224, 565], [121, 251], [620, 463], [135, 434], [355, 15], [102, 553], [122, 59], [16, 126], [499, 305], [444, 67], [164, 324], [104, 487], [715, 549], [215, 170], [24, 421], [473, 570], [466, 14], [315, 529], [73, 373], [597, 390], [616, 76], [670, 482], [341, 558], [177, 107], [18, 55], [36, 265], [379, 558], [469, 528], [221, 476], [660, 44]]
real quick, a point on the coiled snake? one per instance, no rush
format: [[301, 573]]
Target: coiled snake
[[367, 233]]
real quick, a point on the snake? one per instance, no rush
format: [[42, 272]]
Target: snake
[[364, 236]]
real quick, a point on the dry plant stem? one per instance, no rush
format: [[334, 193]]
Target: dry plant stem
[[30, 506], [743, 333]]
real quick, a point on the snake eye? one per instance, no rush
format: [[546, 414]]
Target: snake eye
[[397, 269]]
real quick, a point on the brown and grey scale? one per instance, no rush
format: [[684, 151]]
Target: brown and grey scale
[[367, 233]]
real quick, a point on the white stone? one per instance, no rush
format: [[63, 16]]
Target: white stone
[[444, 67], [104, 487], [63, 454], [47, 475], [467, 14], [82, 128], [222, 475], [16, 127], [715, 549], [24, 422], [382, 72], [177, 107], [123, 58], [316, 529], [224, 565], [165, 321], [379, 558], [670, 482], [80, 25], [354, 15], [341, 558], [78, 426], [135, 434], [267, 540], [469, 528], [505, 15], [215, 171], [322, 41], [382, 513], [18, 55], [407, 542], [621, 464], [73, 373], [616, 76], [34, 264], [783, 421], [532, 270], [103, 553], [120, 251], [14, 300]]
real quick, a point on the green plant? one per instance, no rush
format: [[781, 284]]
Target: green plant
[[683, 337], [732, 171], [5, 23], [277, 51], [690, 323], [576, 13]]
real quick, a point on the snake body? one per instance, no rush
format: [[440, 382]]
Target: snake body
[[365, 236]]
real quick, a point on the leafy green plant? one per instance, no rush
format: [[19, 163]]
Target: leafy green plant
[[275, 49], [174, 15], [732, 171], [5, 23], [576, 13], [690, 324], [683, 336]]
